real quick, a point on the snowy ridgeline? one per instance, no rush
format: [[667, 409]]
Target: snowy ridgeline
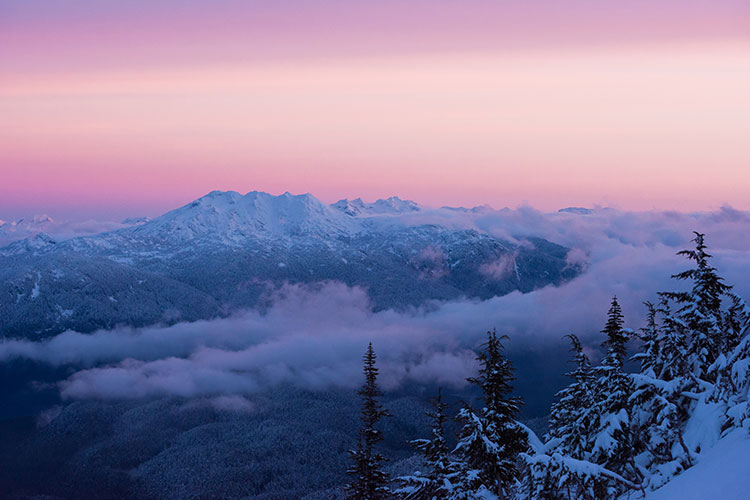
[[227, 251], [676, 429]]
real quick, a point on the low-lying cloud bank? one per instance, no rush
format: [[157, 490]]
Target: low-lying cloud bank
[[11, 231], [314, 337]]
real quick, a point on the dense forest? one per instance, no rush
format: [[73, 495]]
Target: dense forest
[[611, 432]]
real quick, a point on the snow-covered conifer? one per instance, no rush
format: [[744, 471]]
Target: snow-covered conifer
[[614, 447], [569, 436], [649, 357], [435, 482], [491, 440], [570, 416], [700, 309], [673, 343], [736, 321], [369, 481]]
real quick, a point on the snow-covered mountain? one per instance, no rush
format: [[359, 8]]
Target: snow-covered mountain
[[27, 228], [231, 218], [24, 228], [391, 206], [226, 251]]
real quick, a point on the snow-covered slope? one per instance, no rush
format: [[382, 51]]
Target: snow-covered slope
[[230, 250], [24, 228], [40, 243], [722, 472]]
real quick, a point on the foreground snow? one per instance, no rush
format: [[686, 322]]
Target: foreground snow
[[722, 472]]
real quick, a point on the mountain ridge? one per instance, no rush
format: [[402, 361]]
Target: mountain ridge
[[230, 251]]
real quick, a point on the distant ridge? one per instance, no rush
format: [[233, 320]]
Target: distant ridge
[[576, 210], [226, 251]]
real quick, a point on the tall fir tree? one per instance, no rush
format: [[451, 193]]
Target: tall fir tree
[[673, 343], [615, 343], [650, 356], [570, 416], [491, 440], [732, 367], [736, 371], [645, 399], [736, 321], [435, 484], [659, 409], [369, 481], [565, 466], [694, 365], [614, 447], [569, 434], [700, 309]]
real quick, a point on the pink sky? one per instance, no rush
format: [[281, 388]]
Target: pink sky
[[129, 108]]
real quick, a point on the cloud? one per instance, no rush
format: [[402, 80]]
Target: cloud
[[431, 263], [234, 404], [313, 336], [30, 227], [501, 268]]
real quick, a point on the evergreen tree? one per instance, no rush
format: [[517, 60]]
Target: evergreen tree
[[673, 342], [736, 321], [737, 373], [650, 337], [659, 409], [615, 345], [436, 483], [614, 447], [700, 309], [732, 367], [570, 416], [563, 467], [369, 480], [569, 433], [655, 418], [491, 440], [690, 367]]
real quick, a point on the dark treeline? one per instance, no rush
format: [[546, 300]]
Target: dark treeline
[[610, 432]]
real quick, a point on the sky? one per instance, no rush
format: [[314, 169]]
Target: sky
[[111, 109]]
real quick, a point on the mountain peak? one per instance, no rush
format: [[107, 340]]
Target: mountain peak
[[393, 205], [36, 220], [217, 193], [350, 207], [233, 218], [42, 219], [218, 196]]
